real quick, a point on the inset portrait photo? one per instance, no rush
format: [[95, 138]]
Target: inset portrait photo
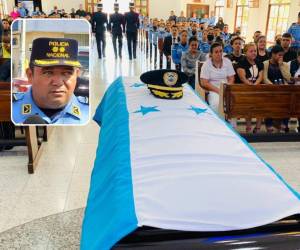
[[50, 72]]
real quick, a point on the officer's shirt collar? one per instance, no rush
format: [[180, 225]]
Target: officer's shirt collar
[[72, 109]]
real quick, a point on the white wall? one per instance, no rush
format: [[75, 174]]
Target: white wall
[[294, 10], [10, 5], [184, 3], [162, 8]]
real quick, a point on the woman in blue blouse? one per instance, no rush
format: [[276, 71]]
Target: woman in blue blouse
[[179, 48]]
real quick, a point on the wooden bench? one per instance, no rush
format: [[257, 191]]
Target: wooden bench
[[3, 60], [198, 86], [261, 101], [34, 145], [5, 101]]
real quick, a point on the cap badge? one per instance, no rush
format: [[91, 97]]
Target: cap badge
[[170, 78]]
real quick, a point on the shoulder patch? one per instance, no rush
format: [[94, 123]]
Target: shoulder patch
[[83, 99], [18, 96]]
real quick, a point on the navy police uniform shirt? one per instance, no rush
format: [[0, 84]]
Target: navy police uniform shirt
[[99, 20], [75, 112], [117, 23], [132, 21], [294, 30]]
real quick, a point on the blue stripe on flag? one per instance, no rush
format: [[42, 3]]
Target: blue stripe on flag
[[250, 147], [110, 213]]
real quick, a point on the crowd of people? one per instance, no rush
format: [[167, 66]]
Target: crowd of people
[[20, 11], [182, 41], [226, 57]]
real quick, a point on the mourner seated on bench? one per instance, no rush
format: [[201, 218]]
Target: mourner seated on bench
[[262, 101], [216, 70], [276, 71], [250, 72]]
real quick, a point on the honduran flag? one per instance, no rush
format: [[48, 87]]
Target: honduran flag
[[174, 164]]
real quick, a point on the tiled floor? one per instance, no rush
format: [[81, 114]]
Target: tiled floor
[[61, 181], [60, 231]]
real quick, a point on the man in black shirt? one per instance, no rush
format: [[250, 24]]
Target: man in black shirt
[[99, 20], [289, 53], [55, 12], [73, 13], [256, 35], [80, 12], [167, 45], [172, 17], [132, 24], [236, 56], [116, 26]]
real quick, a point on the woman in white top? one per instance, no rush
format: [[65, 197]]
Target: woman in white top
[[216, 70]]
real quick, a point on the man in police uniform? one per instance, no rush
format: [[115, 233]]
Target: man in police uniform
[[53, 72], [132, 25], [99, 21], [117, 27], [294, 30]]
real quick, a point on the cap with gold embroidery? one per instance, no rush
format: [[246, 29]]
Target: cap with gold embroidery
[[165, 84], [54, 52]]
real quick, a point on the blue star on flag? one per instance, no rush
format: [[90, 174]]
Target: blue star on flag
[[137, 85], [145, 110], [198, 111]]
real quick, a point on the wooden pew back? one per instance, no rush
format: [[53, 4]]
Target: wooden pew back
[[261, 101], [198, 86], [5, 96]]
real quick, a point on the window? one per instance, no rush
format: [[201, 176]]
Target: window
[[141, 7], [242, 16], [219, 8], [91, 5], [278, 18], [2, 8]]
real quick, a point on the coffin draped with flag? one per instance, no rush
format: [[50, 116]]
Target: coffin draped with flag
[[174, 164]]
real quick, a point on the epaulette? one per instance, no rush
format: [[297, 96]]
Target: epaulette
[[18, 96], [83, 99]]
